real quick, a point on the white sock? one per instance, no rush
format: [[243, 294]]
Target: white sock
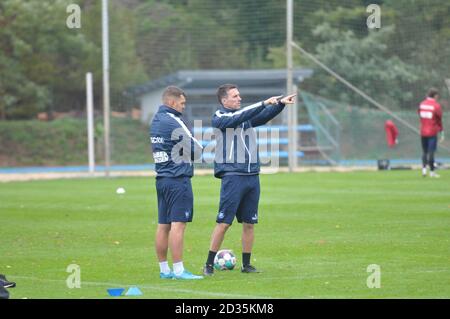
[[164, 267], [178, 268]]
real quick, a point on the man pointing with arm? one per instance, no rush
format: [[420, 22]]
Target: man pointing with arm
[[237, 165]]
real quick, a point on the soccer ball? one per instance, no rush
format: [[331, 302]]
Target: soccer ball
[[224, 260]]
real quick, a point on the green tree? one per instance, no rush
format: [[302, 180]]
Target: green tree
[[37, 52], [422, 38], [365, 62], [43, 62], [126, 68], [185, 35]]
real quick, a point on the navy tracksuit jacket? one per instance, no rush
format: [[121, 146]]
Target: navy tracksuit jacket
[[174, 148], [236, 149]]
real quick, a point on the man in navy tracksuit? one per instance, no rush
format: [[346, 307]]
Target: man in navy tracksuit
[[174, 150], [237, 165]]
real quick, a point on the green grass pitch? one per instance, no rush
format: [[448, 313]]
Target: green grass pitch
[[317, 234]]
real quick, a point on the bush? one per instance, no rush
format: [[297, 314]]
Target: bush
[[64, 142]]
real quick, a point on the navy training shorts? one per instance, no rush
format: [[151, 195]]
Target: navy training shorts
[[429, 143], [239, 196], [175, 199]]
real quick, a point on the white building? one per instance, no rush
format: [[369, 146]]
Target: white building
[[201, 86]]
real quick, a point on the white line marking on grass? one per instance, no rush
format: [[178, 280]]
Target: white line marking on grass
[[153, 287], [226, 295], [304, 276]]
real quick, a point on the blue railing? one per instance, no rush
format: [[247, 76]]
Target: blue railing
[[261, 141], [282, 154]]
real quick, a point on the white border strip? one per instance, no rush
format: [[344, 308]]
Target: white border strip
[[245, 109], [185, 128]]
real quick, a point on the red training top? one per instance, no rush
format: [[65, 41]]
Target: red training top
[[430, 114], [391, 133]]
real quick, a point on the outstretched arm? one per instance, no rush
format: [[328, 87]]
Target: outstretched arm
[[272, 111], [234, 119]]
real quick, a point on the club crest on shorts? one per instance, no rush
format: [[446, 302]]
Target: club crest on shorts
[[187, 213], [220, 215]]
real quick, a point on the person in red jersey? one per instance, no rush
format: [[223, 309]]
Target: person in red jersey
[[430, 114]]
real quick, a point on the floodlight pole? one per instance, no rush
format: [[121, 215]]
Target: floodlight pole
[[289, 38], [292, 123], [90, 122], [106, 102]]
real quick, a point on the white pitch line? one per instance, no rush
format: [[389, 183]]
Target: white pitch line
[[215, 294], [153, 287]]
